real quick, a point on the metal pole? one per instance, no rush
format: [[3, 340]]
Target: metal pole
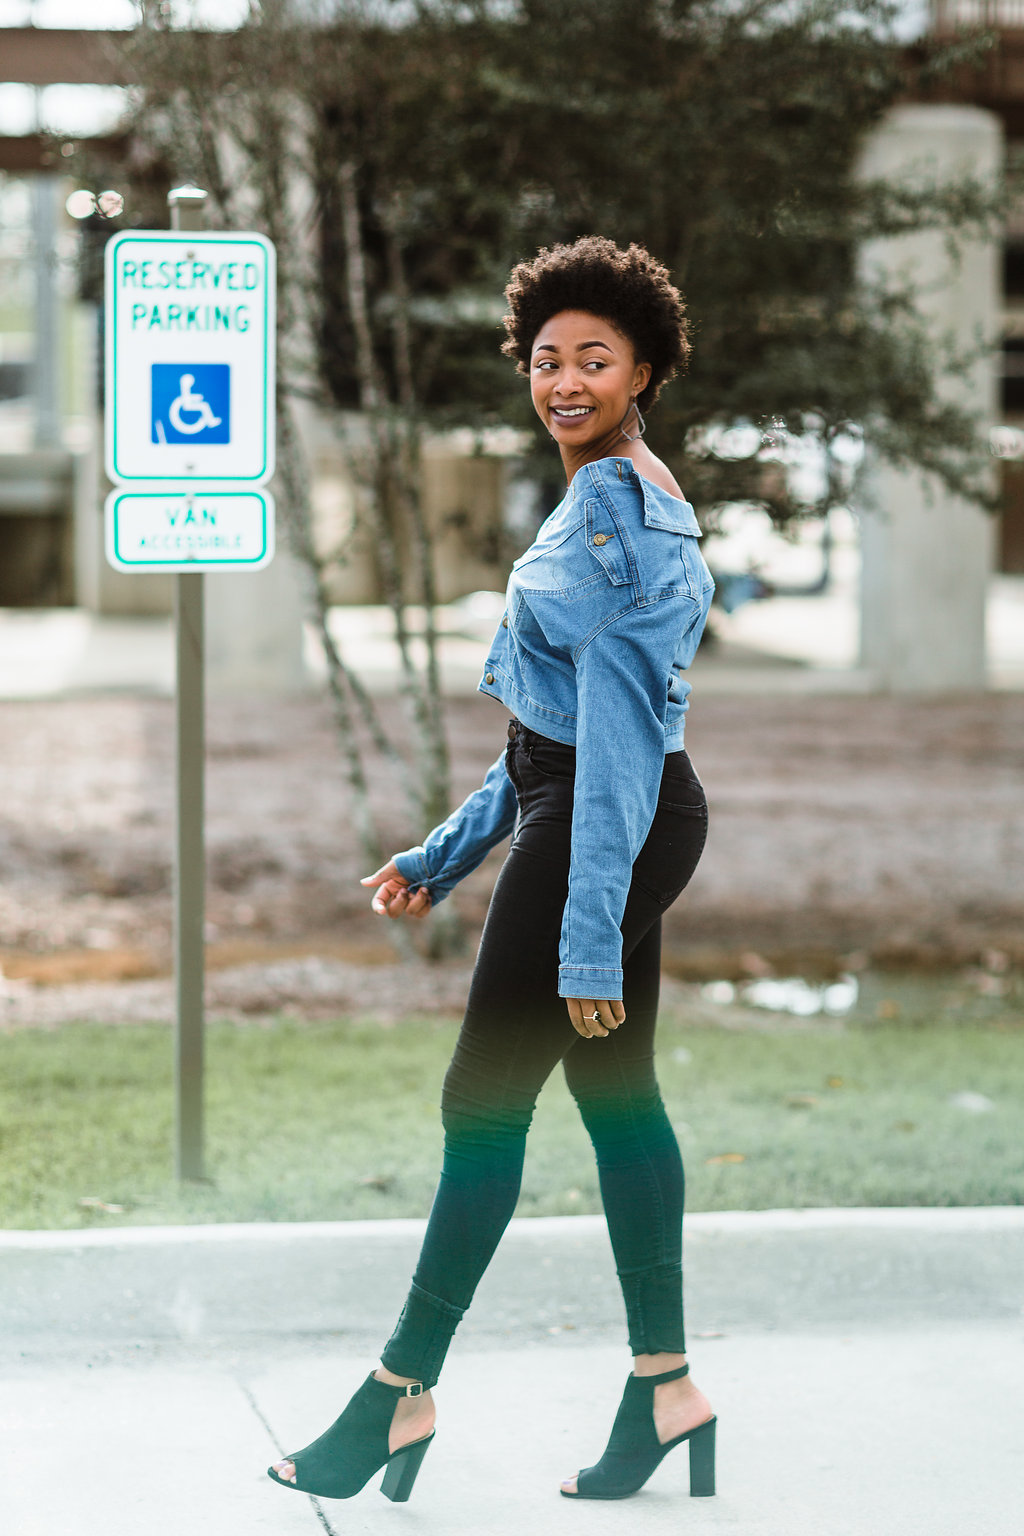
[[46, 370], [187, 204]]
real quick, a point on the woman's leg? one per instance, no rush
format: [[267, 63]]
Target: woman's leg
[[515, 1031], [614, 1083], [642, 1188], [615, 1086], [639, 1167]]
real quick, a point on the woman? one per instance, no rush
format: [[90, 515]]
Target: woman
[[604, 612]]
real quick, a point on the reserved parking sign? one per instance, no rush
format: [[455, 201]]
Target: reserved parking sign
[[190, 358]]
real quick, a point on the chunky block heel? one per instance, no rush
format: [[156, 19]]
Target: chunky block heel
[[634, 1450], [347, 1454], [702, 1460], [402, 1469]]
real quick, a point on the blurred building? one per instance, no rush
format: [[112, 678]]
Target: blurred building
[[63, 86], [51, 484], [997, 83]]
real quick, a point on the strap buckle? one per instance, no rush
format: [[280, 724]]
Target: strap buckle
[[414, 1389]]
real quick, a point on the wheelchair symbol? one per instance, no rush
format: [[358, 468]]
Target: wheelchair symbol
[[187, 401], [191, 403]]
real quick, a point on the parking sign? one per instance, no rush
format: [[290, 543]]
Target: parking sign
[[205, 528], [190, 358]]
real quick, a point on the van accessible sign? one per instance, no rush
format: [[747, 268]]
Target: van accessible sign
[[204, 528], [190, 332]]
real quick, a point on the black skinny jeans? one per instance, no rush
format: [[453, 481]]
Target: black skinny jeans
[[516, 1030]]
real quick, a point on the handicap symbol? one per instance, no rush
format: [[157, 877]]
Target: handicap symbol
[[191, 403], [187, 401]]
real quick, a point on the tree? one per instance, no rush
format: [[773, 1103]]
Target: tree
[[402, 158]]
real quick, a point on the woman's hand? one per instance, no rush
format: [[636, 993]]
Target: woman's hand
[[610, 1014], [392, 897]]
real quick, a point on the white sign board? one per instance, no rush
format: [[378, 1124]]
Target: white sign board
[[204, 528], [190, 333]]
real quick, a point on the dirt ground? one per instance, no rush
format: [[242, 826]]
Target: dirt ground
[[843, 830]]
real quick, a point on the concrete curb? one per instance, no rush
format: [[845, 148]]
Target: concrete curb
[[938, 1219]]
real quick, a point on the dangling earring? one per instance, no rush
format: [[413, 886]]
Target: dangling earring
[[635, 436]]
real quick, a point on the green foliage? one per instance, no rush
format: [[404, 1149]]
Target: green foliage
[[722, 135]]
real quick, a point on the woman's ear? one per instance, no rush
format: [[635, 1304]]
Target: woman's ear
[[641, 378]]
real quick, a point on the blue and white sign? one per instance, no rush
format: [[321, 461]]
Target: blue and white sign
[[191, 402], [190, 332]]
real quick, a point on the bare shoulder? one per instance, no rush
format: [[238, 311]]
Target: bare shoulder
[[659, 474]]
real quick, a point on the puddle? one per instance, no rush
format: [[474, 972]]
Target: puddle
[[788, 994]]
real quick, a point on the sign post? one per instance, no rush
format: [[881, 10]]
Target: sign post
[[189, 820], [189, 447]]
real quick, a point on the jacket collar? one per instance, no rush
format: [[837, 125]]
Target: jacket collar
[[661, 510]]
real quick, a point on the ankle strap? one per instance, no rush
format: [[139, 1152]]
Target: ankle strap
[[414, 1389], [681, 1370]]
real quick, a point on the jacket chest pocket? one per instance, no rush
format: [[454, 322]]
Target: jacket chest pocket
[[606, 545], [550, 562]]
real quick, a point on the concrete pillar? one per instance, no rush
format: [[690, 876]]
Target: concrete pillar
[[98, 587], [254, 633], [46, 372], [927, 555]]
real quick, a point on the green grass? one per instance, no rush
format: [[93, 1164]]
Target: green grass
[[339, 1120]]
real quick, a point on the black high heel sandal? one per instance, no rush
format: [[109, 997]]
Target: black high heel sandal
[[346, 1456], [634, 1450]]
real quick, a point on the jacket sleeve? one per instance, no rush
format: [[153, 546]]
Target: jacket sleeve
[[455, 848], [622, 676]]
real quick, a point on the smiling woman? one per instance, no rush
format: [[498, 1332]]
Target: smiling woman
[[603, 615]]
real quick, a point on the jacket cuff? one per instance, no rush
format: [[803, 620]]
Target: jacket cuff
[[590, 981], [412, 866]]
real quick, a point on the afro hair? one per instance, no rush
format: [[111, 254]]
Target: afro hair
[[627, 288]]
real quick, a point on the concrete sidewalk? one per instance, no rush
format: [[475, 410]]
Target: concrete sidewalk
[[865, 1367], [68, 652], [785, 646]]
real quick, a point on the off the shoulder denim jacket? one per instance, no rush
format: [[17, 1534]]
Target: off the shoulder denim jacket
[[604, 612]]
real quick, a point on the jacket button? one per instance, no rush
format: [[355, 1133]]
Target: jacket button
[[600, 538], [488, 677], [504, 622]]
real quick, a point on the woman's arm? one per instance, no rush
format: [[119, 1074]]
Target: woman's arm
[[452, 851]]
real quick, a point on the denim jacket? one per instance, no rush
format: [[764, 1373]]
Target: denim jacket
[[604, 612]]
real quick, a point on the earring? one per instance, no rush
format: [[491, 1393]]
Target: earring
[[634, 436]]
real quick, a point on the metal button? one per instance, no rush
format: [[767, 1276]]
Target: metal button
[[488, 677], [504, 622], [601, 538]]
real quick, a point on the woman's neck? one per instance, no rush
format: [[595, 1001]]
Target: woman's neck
[[644, 461], [615, 446]]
